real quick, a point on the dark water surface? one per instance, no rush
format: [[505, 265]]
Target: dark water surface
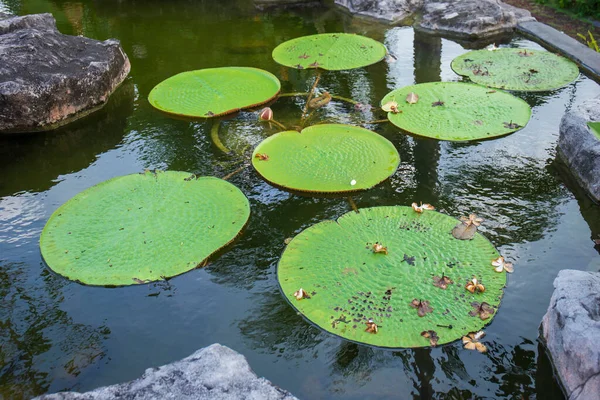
[[57, 335]]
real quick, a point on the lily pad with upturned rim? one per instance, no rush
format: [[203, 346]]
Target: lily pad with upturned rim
[[328, 158], [329, 51], [458, 111], [142, 227], [516, 69], [211, 92], [349, 284]]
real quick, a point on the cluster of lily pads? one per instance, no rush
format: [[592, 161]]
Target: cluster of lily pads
[[385, 276]]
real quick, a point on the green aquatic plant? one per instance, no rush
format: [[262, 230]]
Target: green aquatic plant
[[456, 111], [412, 294], [590, 41], [595, 127], [213, 92], [516, 69], [329, 51], [327, 158], [141, 228]]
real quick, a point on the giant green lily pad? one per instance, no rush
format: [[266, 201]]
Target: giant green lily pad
[[595, 127], [212, 92], [142, 227], [348, 283], [457, 111], [328, 158], [516, 69], [329, 51]]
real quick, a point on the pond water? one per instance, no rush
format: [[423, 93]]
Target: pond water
[[57, 335]]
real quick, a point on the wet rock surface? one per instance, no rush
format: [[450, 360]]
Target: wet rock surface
[[579, 147], [48, 79], [571, 329], [471, 18], [214, 372], [461, 18]]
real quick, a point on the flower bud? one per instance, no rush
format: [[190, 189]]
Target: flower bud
[[266, 114]]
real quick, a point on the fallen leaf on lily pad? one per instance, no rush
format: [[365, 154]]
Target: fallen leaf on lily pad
[[371, 327], [524, 53], [502, 265], [475, 287], [390, 106], [377, 248], [288, 240], [442, 282], [483, 310], [437, 103], [412, 98], [422, 207], [422, 307], [301, 294], [432, 336], [471, 341], [472, 219], [262, 157], [492, 47], [464, 232]]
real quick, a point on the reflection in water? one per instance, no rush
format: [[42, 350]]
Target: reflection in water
[[53, 333]]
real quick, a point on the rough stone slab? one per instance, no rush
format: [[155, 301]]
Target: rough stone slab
[[393, 11], [571, 330], [471, 19], [579, 147], [213, 373], [588, 59], [48, 79]]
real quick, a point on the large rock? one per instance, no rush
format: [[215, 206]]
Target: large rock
[[213, 373], [48, 79], [460, 18], [579, 147], [571, 329], [471, 18], [394, 11]]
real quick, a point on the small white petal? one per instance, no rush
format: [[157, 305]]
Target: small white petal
[[353, 182]]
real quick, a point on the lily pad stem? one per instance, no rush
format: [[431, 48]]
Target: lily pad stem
[[300, 94], [237, 171], [214, 135], [311, 93], [377, 121], [279, 124], [353, 205]]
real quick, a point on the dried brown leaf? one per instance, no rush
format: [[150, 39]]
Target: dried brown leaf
[[412, 98]]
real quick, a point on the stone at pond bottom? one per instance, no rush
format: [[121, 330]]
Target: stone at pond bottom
[[571, 329], [579, 147], [212, 373], [48, 79]]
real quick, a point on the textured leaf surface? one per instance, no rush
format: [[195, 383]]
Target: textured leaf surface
[[326, 158], [458, 111], [516, 69], [595, 127], [214, 91], [349, 283], [141, 227], [330, 51]]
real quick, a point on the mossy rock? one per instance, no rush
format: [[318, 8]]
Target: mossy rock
[[327, 158], [212, 92], [516, 69], [329, 51], [143, 227], [457, 111], [348, 283]]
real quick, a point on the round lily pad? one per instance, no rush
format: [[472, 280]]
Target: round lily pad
[[327, 158], [456, 111], [329, 51], [212, 92], [142, 227], [349, 283], [516, 69]]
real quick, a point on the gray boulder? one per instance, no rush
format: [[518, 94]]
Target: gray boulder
[[571, 329], [213, 373], [471, 19], [48, 79], [393, 11], [580, 148]]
